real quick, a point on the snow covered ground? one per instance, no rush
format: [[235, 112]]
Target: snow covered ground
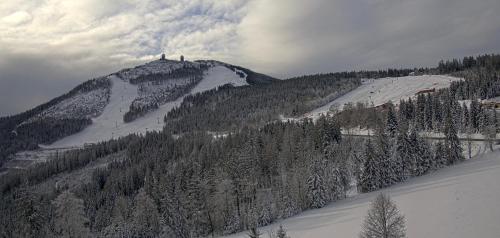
[[218, 76], [458, 201], [110, 123], [426, 134], [111, 119], [380, 91]]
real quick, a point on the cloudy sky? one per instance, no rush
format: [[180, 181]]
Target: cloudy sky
[[49, 46]]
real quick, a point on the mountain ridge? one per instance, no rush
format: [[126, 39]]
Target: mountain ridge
[[158, 82]]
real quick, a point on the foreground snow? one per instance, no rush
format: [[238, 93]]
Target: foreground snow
[[458, 201], [110, 123], [380, 91]]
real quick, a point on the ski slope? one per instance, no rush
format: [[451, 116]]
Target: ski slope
[[218, 76], [110, 123], [380, 91], [110, 120], [458, 201]]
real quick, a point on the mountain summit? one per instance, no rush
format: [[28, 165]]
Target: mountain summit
[[132, 100]]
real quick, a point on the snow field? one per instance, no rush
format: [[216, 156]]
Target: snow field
[[380, 91], [110, 121], [217, 76]]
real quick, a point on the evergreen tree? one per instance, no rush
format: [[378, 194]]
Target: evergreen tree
[[145, 217], [316, 192], [413, 156], [490, 128], [465, 125], [195, 203], [119, 223], [70, 220], [173, 212], [452, 144], [337, 182], [392, 123], [483, 121], [369, 179], [30, 216], [423, 162], [437, 114], [401, 155], [428, 112], [420, 112], [474, 114], [440, 159], [385, 160]]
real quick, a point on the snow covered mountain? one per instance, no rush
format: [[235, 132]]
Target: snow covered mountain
[[135, 100]]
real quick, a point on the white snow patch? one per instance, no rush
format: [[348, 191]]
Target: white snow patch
[[458, 201], [110, 121], [380, 91], [217, 76], [495, 99], [241, 72]]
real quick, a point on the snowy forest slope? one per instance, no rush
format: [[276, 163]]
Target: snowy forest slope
[[379, 91], [110, 124], [160, 85], [458, 201]]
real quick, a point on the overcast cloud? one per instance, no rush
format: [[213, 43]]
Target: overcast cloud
[[48, 47]]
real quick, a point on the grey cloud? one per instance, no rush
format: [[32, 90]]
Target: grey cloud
[[47, 47], [27, 81], [324, 36]]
